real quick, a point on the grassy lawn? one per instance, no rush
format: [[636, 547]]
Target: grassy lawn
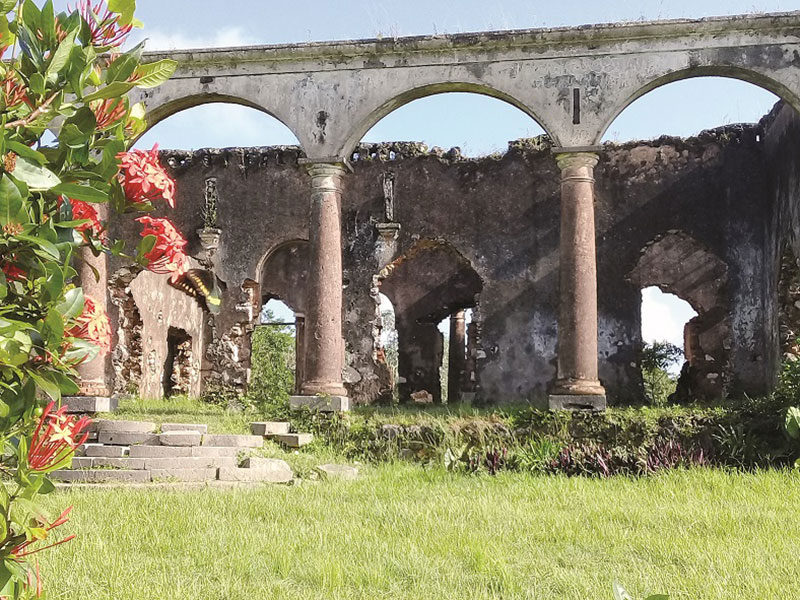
[[181, 409], [402, 531]]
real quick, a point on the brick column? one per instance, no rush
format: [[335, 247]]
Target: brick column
[[457, 356], [577, 385], [324, 348]]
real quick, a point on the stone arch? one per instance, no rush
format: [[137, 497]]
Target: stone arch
[[426, 284], [157, 112], [771, 84], [678, 264], [359, 130], [283, 274]]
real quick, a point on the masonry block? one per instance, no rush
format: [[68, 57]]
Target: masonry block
[[89, 404], [294, 440], [160, 451], [167, 427], [190, 462], [81, 462], [212, 451], [320, 403], [588, 402], [101, 476], [124, 426], [118, 463], [239, 441], [266, 475], [99, 450], [280, 470], [269, 428], [124, 438], [196, 474], [180, 438], [331, 471]]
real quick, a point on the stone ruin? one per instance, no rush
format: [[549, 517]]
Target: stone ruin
[[550, 256]]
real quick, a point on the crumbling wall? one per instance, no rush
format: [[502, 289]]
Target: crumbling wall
[[501, 215]]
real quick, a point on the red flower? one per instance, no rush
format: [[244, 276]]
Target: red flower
[[167, 256], [21, 551], [56, 436], [84, 210], [12, 272], [14, 91], [107, 112], [105, 29], [143, 177], [93, 325]]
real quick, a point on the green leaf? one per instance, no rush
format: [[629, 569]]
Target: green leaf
[[86, 193], [125, 65], [11, 205], [60, 57], [6, 6], [125, 8], [72, 306], [49, 248], [48, 387], [154, 74], [793, 422], [112, 90], [26, 151], [34, 175]]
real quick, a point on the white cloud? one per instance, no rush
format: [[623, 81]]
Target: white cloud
[[664, 316], [158, 39]]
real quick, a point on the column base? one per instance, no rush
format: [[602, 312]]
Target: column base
[[589, 402], [578, 387], [323, 388], [89, 404], [323, 403]]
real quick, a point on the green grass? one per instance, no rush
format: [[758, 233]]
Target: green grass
[[181, 409], [403, 532]]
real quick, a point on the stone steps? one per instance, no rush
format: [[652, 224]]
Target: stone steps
[[141, 452]]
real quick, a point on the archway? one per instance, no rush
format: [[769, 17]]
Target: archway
[[736, 100], [677, 264], [427, 284]]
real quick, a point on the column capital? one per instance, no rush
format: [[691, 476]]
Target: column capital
[[572, 160], [325, 167]]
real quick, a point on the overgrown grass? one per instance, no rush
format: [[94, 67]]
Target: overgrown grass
[[404, 532], [181, 409]]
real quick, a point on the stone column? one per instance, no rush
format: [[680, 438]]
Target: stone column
[[299, 351], [457, 356], [324, 349], [577, 385]]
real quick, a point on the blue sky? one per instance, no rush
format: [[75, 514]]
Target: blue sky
[[447, 120]]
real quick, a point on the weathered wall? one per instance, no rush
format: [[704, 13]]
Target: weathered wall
[[500, 215]]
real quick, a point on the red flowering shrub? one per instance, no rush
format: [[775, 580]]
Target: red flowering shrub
[[84, 210], [144, 179], [93, 325], [56, 436], [105, 29], [167, 256], [108, 112]]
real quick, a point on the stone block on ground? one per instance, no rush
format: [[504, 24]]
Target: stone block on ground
[[180, 438], [320, 403], [81, 462], [269, 428], [124, 426], [190, 462], [89, 404], [345, 472], [160, 451], [578, 402], [101, 476], [124, 438], [167, 427], [244, 474], [216, 451], [294, 440], [99, 450], [280, 471], [195, 474], [239, 441], [117, 463]]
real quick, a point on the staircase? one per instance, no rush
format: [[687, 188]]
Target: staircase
[[140, 452]]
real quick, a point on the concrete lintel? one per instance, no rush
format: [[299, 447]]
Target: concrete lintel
[[333, 160], [320, 403], [589, 402]]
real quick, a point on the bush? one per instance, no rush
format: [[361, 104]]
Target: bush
[[656, 358], [272, 375]]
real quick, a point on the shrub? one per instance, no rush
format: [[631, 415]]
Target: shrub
[[272, 375], [656, 358]]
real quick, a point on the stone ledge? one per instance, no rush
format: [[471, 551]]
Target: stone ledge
[[269, 428], [122, 426], [294, 440], [233, 440], [170, 427], [589, 402], [192, 474], [89, 404], [101, 476], [320, 403]]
